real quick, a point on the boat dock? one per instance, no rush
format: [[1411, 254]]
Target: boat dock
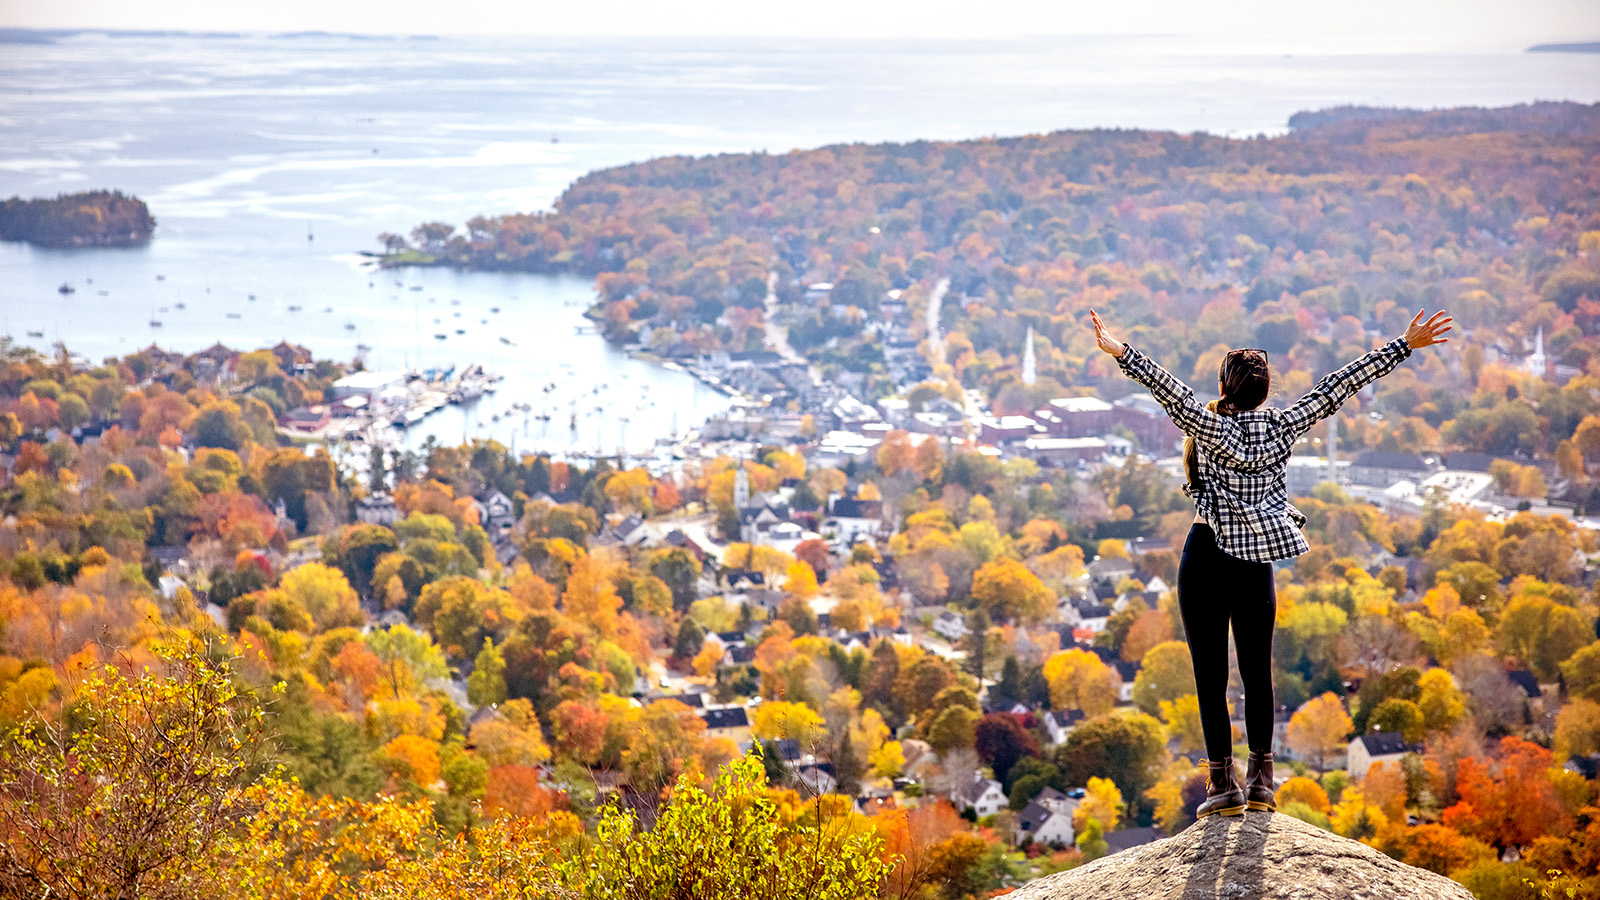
[[367, 404]]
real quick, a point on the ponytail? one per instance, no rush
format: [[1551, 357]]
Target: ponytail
[[1191, 451]]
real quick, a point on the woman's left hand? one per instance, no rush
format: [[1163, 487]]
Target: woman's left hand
[[1107, 343]]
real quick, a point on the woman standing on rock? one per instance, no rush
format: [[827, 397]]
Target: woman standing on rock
[[1235, 459]]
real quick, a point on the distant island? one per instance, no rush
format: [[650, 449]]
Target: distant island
[[89, 219], [1577, 47]]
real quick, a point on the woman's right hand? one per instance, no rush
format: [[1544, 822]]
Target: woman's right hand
[[1424, 334], [1107, 343]]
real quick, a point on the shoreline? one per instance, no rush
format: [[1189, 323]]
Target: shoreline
[[633, 351]]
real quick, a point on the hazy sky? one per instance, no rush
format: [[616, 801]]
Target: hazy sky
[[1268, 25]]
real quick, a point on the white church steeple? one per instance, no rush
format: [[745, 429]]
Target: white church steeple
[[741, 488], [1536, 359], [1029, 373]]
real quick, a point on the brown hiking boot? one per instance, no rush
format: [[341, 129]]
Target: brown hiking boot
[[1223, 794], [1260, 791]]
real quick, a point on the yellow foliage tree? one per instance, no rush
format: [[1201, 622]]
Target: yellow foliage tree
[[1577, 729], [705, 662], [1112, 548], [800, 582], [325, 593], [591, 599], [1441, 701], [777, 719], [1301, 789], [1182, 716], [414, 759], [1102, 802], [1355, 817], [631, 490], [1319, 727], [1008, 591], [511, 738], [1079, 680], [888, 760]]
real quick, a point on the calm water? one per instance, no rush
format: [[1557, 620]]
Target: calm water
[[244, 147]]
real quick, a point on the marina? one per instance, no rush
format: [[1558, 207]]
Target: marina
[[520, 373]]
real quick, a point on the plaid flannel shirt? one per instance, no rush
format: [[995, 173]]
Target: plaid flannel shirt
[[1243, 458]]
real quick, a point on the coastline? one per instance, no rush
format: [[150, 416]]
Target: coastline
[[408, 258]]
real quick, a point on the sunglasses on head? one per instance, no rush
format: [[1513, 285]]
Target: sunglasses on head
[[1244, 350]]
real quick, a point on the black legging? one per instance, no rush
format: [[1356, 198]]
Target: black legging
[[1214, 589]]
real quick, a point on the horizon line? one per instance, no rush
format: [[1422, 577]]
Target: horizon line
[[291, 33]]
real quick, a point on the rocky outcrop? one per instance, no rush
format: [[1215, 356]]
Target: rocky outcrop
[[1257, 856]]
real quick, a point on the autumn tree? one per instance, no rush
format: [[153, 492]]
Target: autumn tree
[[359, 549], [895, 454], [1182, 717], [776, 719], [1165, 674], [324, 593], [1577, 729], [1079, 680], [1400, 716], [142, 784], [464, 612], [1009, 592], [1319, 727], [591, 598], [1582, 672], [1127, 748], [1102, 803], [1001, 740], [1440, 701], [1508, 801], [1542, 633], [486, 686]]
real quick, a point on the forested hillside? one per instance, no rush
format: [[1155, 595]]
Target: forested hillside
[[1307, 245]]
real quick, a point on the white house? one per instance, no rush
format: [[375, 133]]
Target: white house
[[1109, 571], [1127, 671], [1379, 746], [950, 626], [1059, 723], [981, 795], [1045, 825], [631, 531], [851, 520], [377, 509], [496, 513], [1055, 801]]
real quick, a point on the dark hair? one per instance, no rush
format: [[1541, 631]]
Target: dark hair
[[1245, 381]]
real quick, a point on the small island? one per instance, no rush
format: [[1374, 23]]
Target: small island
[[89, 219], [1575, 47]]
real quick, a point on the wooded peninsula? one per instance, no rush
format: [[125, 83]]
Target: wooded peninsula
[[88, 219]]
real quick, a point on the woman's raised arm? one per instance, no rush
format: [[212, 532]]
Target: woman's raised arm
[[1325, 398]]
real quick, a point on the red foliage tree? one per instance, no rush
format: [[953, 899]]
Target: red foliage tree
[[1002, 740], [1509, 802], [515, 791]]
